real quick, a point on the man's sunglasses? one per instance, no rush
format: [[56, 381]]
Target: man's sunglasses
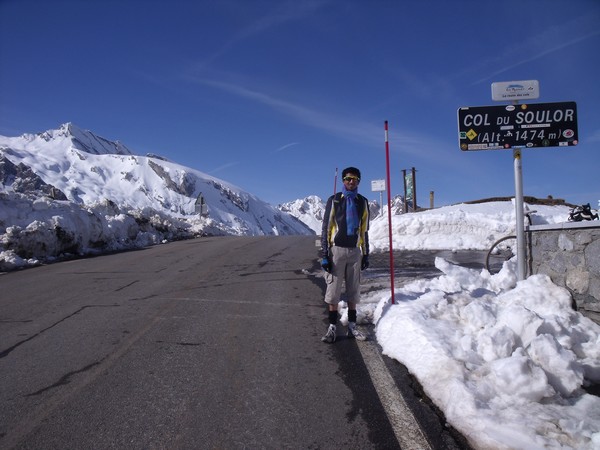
[[352, 179]]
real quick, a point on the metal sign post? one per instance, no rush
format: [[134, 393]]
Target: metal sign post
[[389, 189], [520, 217]]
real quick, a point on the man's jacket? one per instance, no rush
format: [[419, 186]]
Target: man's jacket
[[334, 225]]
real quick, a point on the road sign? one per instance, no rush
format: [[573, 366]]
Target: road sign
[[527, 125], [377, 185], [515, 90]]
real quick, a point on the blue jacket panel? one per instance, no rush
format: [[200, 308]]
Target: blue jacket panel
[[333, 231]]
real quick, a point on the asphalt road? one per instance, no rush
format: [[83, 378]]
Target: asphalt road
[[207, 343]]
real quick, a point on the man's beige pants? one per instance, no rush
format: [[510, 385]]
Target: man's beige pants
[[345, 268]]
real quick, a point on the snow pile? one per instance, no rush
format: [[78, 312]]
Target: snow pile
[[504, 360], [456, 227], [42, 230]]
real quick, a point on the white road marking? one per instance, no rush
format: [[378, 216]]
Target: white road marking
[[405, 425]]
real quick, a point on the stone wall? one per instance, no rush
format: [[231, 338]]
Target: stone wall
[[569, 254]]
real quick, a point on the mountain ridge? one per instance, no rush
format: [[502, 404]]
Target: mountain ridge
[[83, 173]]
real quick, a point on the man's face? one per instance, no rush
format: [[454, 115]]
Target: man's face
[[351, 181]]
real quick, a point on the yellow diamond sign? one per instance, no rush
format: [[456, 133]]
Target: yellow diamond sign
[[471, 134]]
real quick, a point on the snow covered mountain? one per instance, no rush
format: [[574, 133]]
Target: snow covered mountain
[[308, 210], [51, 177]]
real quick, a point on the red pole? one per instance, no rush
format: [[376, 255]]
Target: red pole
[[389, 200], [335, 181]]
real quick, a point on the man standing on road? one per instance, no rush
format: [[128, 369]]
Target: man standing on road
[[345, 250]]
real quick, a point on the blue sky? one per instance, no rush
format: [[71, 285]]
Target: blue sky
[[274, 95]]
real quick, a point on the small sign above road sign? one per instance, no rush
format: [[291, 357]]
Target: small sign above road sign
[[515, 90], [524, 125]]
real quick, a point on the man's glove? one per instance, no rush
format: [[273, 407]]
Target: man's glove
[[364, 264], [326, 265]]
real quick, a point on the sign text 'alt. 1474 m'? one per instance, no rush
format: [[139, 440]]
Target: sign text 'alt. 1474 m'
[[527, 125]]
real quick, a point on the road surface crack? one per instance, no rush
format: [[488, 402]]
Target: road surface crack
[[65, 379], [6, 352]]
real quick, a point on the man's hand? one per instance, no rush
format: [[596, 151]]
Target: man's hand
[[326, 265], [365, 262]]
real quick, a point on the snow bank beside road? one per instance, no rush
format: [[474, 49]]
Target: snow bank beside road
[[505, 361], [456, 227]]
